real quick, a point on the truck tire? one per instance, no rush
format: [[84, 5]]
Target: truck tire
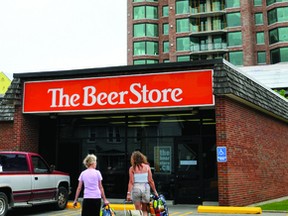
[[3, 204], [62, 198]]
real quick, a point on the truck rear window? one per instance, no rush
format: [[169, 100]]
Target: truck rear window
[[13, 162]]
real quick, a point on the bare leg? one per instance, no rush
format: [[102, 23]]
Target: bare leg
[[144, 209], [137, 205]]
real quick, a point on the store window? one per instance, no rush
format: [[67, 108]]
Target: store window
[[145, 48], [165, 11], [165, 29], [163, 137], [261, 57], [236, 58], [279, 55], [278, 15], [232, 3], [183, 44], [182, 25], [234, 39], [258, 18], [113, 135], [145, 12], [278, 35], [233, 19], [260, 38], [145, 30], [182, 6]]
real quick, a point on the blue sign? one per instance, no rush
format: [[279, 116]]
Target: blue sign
[[221, 154]]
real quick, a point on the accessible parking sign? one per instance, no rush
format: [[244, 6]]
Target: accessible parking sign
[[221, 154]]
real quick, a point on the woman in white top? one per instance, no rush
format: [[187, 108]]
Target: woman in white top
[[140, 182]]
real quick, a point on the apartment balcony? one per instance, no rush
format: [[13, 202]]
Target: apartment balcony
[[207, 14], [208, 32], [208, 48]]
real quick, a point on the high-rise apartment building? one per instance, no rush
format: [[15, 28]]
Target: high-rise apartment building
[[244, 32]]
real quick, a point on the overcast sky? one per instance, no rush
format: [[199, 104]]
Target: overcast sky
[[46, 35]]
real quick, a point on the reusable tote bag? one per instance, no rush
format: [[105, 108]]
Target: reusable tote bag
[[107, 211], [130, 212], [134, 213]]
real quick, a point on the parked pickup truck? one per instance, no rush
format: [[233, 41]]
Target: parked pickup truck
[[27, 180]]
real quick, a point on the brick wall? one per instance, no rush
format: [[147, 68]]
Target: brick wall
[[20, 134], [7, 136], [257, 147]]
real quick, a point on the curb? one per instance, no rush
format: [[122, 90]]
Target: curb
[[122, 207], [226, 209], [70, 205], [114, 206]]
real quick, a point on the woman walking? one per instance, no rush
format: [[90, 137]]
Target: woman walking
[[93, 188], [140, 182]]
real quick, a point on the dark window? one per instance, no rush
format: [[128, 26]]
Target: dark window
[[13, 162]]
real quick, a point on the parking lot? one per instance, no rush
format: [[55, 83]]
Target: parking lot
[[174, 210]]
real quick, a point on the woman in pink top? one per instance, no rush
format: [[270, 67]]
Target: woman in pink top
[[93, 189], [140, 182]]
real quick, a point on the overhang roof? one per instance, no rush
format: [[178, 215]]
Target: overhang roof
[[227, 81]]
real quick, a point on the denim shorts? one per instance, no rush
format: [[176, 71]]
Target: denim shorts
[[141, 192]]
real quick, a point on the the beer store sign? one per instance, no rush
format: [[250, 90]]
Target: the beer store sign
[[177, 89]]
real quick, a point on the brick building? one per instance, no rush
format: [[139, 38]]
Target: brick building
[[227, 144], [244, 32]]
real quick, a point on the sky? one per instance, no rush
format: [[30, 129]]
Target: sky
[[49, 35]]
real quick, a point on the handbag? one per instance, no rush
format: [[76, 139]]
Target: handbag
[[107, 211], [134, 213]]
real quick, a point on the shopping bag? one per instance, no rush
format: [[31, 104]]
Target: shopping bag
[[107, 211], [158, 206], [129, 212], [134, 213]]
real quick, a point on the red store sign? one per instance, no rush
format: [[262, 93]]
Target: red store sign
[[175, 89]]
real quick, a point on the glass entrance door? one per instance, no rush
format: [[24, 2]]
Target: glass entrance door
[[188, 166]]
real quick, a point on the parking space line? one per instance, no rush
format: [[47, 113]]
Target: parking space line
[[68, 213], [174, 213], [181, 213], [186, 213]]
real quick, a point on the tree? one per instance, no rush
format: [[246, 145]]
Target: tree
[[282, 92]]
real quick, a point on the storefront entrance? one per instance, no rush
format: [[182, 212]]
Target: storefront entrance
[[180, 147], [188, 176]]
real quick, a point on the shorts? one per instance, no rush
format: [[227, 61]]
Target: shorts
[[141, 192]]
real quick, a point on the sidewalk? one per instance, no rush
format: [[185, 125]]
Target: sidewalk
[[193, 210]]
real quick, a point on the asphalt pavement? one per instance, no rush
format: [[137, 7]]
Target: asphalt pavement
[[174, 210]]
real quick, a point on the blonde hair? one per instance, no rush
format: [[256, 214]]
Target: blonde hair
[[89, 159]]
